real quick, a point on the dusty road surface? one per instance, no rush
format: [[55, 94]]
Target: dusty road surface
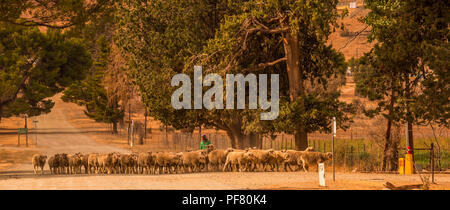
[[212, 181], [57, 135]]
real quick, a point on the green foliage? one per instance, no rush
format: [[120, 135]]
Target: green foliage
[[251, 41], [35, 66], [159, 36], [91, 92], [225, 37], [407, 71], [51, 13], [317, 113]]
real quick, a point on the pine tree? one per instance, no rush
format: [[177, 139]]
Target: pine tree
[[35, 66]]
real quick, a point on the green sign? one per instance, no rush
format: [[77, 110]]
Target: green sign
[[22, 130]]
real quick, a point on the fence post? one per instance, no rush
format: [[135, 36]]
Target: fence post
[[345, 156], [359, 155], [351, 157], [432, 162]]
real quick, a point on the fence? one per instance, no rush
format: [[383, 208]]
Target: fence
[[354, 149], [177, 141]]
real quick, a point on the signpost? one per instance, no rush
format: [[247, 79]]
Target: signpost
[[21, 131], [332, 150], [321, 167]]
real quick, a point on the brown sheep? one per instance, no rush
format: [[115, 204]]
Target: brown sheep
[[115, 162], [165, 161], [63, 160], [262, 158], [144, 162], [84, 162], [161, 159], [295, 158], [74, 163], [175, 162], [105, 163], [93, 163], [217, 158], [134, 163], [314, 158], [125, 162], [38, 161], [278, 158], [193, 161], [238, 161], [53, 164]]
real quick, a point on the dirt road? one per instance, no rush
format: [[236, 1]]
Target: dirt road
[[57, 135]]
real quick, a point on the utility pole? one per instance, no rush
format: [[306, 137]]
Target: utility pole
[[129, 118], [145, 125], [132, 134], [26, 129]]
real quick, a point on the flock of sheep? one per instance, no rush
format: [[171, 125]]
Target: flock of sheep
[[211, 159]]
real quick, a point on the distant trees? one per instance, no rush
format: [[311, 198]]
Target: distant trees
[[94, 93], [407, 70]]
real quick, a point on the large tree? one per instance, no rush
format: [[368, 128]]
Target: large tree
[[288, 38], [284, 37], [404, 71]]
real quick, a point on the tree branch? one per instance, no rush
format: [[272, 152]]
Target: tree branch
[[262, 66]]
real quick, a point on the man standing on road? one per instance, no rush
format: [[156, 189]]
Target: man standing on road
[[204, 142]]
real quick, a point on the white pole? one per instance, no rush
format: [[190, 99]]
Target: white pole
[[321, 167]]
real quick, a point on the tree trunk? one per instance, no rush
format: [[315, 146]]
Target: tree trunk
[[234, 138], [114, 128], [296, 87], [239, 140], [250, 141], [409, 115], [145, 123], [390, 154], [394, 162], [387, 146]]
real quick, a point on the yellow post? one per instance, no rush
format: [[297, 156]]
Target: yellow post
[[401, 165], [409, 164]]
